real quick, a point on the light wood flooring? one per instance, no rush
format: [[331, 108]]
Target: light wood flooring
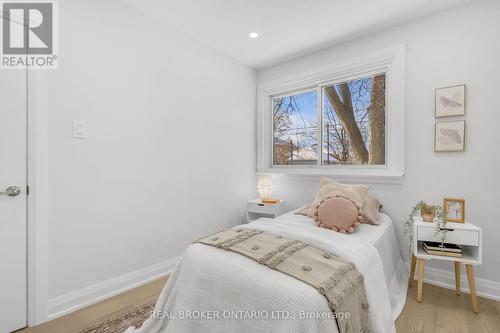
[[77, 321], [440, 312]]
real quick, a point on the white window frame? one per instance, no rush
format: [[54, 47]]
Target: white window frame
[[390, 61]]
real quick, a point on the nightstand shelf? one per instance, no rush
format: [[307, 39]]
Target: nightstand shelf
[[467, 256], [465, 235], [257, 209]]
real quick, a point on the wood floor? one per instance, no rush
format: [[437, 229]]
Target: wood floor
[[441, 311], [77, 321]]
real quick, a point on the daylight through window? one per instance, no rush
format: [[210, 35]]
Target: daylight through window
[[350, 124]]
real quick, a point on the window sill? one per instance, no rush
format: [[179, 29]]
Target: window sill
[[359, 176]]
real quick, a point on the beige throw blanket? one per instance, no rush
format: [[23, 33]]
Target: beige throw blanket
[[333, 277]]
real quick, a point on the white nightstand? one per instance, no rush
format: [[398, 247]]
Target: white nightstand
[[257, 209], [466, 235]]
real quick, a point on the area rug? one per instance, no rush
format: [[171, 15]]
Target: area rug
[[134, 317]]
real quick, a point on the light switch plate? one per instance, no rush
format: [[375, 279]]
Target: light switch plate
[[79, 129]]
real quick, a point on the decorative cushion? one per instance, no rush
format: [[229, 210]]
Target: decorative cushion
[[304, 210], [371, 207], [331, 188], [338, 214]]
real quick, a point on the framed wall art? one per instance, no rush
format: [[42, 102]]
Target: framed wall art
[[449, 136], [450, 101]]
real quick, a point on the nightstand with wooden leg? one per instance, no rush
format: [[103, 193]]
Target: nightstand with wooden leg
[[457, 277], [465, 235]]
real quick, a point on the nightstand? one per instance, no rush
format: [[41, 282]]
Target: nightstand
[[257, 209], [466, 235]]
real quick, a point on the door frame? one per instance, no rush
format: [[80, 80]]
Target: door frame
[[37, 199]]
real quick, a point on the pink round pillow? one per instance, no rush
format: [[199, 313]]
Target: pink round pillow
[[339, 214]]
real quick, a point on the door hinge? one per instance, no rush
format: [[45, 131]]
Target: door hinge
[[27, 190]]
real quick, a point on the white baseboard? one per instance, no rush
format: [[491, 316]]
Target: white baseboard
[[441, 278], [92, 294]]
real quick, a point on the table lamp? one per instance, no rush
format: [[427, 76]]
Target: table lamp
[[265, 187]]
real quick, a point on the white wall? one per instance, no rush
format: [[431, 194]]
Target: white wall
[[168, 158], [455, 47]]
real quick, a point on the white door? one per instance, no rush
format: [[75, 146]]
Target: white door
[[13, 222]]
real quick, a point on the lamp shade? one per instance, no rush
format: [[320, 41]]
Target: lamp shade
[[265, 186]]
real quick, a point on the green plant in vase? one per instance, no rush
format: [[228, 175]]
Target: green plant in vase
[[440, 222], [408, 225]]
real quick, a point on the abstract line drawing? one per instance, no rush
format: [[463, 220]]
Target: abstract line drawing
[[450, 136], [450, 101]]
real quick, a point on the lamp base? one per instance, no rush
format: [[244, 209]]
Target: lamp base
[[270, 201]]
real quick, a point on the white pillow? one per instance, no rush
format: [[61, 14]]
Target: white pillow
[[304, 210], [331, 188], [371, 207]]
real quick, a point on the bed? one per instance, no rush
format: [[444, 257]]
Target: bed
[[213, 290]]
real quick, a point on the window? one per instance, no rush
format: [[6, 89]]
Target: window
[[295, 127], [354, 121], [352, 124], [345, 120]]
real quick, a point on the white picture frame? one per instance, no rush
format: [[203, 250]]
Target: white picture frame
[[450, 101], [449, 136]]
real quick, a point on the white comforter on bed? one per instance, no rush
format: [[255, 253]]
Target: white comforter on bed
[[249, 297]]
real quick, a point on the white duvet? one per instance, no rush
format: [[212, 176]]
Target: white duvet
[[214, 290]]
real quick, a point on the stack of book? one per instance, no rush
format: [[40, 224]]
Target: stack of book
[[439, 249]]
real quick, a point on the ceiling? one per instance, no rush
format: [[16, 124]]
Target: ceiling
[[287, 28]]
